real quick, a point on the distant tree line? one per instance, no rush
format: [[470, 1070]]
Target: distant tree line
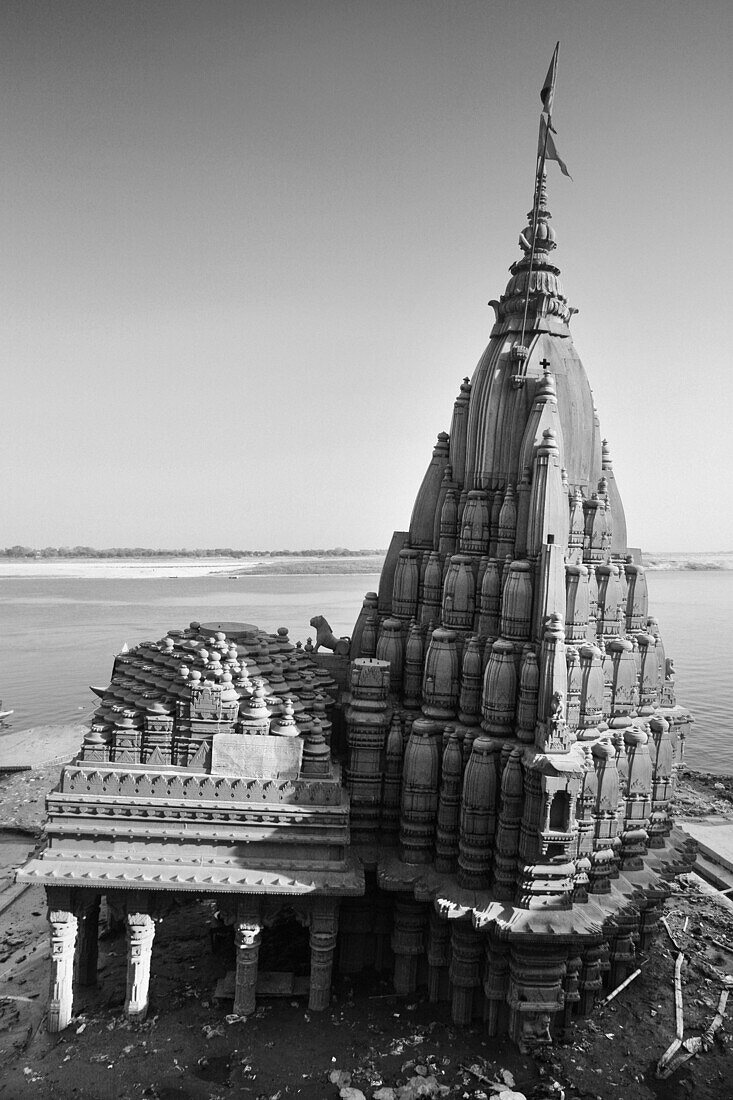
[[146, 552]]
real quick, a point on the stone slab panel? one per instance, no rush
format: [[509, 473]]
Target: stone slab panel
[[256, 757]]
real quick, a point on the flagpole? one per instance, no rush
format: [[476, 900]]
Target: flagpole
[[535, 211], [538, 187]]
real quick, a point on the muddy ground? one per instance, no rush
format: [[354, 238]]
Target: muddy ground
[[188, 1047]]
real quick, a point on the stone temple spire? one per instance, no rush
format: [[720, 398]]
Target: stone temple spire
[[547, 306]]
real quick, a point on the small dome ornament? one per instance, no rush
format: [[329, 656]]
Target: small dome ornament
[[284, 725]]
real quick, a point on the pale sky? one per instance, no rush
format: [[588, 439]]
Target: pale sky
[[247, 250]]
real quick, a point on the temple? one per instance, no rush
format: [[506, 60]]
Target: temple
[[472, 794]]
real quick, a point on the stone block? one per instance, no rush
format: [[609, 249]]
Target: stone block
[[256, 757]]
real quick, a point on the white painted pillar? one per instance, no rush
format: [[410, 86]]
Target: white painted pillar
[[140, 935], [63, 923]]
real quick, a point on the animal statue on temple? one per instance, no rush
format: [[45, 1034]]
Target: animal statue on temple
[[325, 637]]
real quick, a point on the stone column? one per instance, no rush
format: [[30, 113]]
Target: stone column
[[438, 952], [496, 984], [63, 923], [247, 939], [410, 918], [140, 935], [536, 977], [590, 978], [323, 930], [572, 985], [88, 940], [465, 971]]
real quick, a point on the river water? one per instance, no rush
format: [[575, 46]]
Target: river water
[[59, 634]]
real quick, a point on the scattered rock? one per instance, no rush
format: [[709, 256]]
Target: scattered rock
[[418, 1087], [340, 1078]]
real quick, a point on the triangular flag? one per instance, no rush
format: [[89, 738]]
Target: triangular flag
[[548, 149], [548, 88]]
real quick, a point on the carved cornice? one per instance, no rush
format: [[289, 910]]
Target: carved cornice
[[190, 878], [171, 787]]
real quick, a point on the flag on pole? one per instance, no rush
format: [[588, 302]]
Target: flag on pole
[[548, 88], [547, 150]]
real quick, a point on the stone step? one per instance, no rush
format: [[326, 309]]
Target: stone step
[[714, 873], [714, 836], [270, 983]]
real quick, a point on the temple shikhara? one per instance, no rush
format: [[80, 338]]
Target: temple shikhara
[[472, 794]]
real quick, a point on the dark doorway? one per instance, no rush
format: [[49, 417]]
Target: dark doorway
[[285, 946]]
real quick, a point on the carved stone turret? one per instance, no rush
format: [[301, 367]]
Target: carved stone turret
[[507, 526], [516, 604], [440, 678], [471, 683], [420, 792], [637, 794], [316, 754], [609, 621], [449, 805], [448, 526], [478, 815], [459, 595], [366, 727], [529, 684], [592, 685], [391, 650], [423, 514], [577, 604], [432, 590], [548, 512], [412, 681], [490, 600], [662, 757], [500, 691], [637, 601], [458, 432], [392, 791], [506, 845], [406, 584], [475, 524]]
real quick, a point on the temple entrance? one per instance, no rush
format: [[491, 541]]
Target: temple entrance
[[285, 945], [285, 957]]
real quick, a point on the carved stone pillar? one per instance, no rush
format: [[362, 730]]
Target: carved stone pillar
[[650, 917], [87, 948], [465, 971], [536, 978], [63, 923], [438, 953], [572, 986], [140, 935], [407, 942], [496, 984], [590, 978], [247, 938], [323, 931], [623, 950]]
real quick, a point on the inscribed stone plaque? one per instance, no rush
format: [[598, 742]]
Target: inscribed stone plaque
[[256, 757]]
